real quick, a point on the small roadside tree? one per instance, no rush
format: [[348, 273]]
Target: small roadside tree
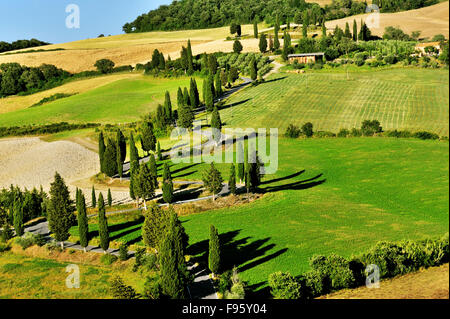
[[214, 251], [232, 180], [102, 224], [212, 180], [167, 186], [83, 226]]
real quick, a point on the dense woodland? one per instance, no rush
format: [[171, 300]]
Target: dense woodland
[[198, 14], [20, 44]]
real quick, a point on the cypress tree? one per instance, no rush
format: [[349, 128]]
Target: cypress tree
[[185, 116], [212, 179], [186, 97], [110, 159], [18, 217], [153, 171], [168, 108], [102, 224], [240, 163], [121, 145], [158, 151], [218, 85], [167, 186], [270, 43], [148, 139], [193, 94], [255, 28], [347, 32], [134, 156], [232, 180], [237, 46], [355, 30], [214, 251], [145, 184], [101, 149], [180, 97], [60, 210], [119, 162], [304, 30], [209, 98], [262, 43], [324, 30], [109, 197], [205, 86], [93, 198], [276, 42], [216, 125], [83, 226], [171, 278], [253, 69], [190, 58]]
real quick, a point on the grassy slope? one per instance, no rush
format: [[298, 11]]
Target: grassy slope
[[359, 203], [118, 102], [375, 189], [400, 98]]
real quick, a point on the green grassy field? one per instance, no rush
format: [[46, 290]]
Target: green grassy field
[[400, 98], [27, 277], [118, 102], [328, 196]]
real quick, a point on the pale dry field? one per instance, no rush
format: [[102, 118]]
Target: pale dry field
[[77, 60], [16, 102], [431, 283], [430, 21]]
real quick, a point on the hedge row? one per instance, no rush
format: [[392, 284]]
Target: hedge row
[[333, 272], [43, 129]]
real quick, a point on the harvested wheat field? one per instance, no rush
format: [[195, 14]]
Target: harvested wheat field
[[77, 60], [430, 21], [17, 102], [431, 283], [30, 162]]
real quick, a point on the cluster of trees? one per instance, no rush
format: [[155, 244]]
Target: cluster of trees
[[197, 14], [188, 102], [112, 154], [15, 78], [20, 44], [18, 207], [402, 5], [43, 129], [163, 233]]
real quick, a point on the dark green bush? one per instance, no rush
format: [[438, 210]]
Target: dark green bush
[[293, 131], [424, 135], [324, 134], [343, 133], [108, 259], [285, 286], [121, 291], [335, 270], [123, 251]]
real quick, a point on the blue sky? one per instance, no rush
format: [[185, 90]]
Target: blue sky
[[46, 19]]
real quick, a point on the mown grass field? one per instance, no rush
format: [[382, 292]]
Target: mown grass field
[[28, 277], [329, 196], [122, 101], [400, 98]]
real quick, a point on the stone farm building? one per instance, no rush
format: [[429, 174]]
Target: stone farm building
[[306, 57], [420, 47]]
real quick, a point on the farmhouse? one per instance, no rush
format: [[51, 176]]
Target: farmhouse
[[306, 57], [420, 47]]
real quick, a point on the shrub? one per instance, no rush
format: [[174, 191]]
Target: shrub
[[390, 59], [424, 135], [108, 259], [324, 134], [30, 239], [152, 288], [355, 132], [123, 251], [313, 282], [307, 129], [139, 256], [225, 282], [343, 133], [388, 257], [335, 270], [121, 291], [293, 131], [284, 286], [237, 290], [4, 247]]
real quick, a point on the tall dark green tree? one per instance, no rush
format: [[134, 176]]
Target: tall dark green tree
[[148, 139], [255, 28], [110, 159], [240, 162], [355, 31], [93, 197], [218, 85], [101, 149], [193, 94], [119, 162], [232, 180], [216, 125], [153, 171], [103, 230], [214, 250], [180, 97], [121, 145], [253, 69], [262, 43], [186, 97], [276, 41], [212, 179], [168, 108], [171, 280], [167, 185], [190, 67], [209, 92], [60, 210], [83, 226], [18, 217], [347, 32], [109, 198], [158, 151], [145, 187]]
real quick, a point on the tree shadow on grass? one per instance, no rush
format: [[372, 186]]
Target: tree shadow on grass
[[299, 185], [283, 178], [227, 106]]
